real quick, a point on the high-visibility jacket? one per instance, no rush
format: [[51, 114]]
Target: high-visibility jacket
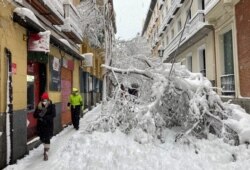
[[75, 100]]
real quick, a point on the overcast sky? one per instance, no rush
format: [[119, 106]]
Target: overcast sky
[[130, 15]]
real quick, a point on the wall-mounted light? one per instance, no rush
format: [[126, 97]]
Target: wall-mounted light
[[160, 51], [25, 37]]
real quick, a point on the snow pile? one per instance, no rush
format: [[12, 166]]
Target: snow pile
[[239, 122], [110, 151]]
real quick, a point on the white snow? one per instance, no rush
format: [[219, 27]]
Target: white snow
[[42, 43], [65, 42], [112, 151], [240, 122], [25, 12]]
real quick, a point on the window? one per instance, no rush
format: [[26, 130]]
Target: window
[[227, 80], [202, 56], [228, 53], [179, 25], [189, 15], [166, 40], [189, 63], [201, 4], [172, 33]]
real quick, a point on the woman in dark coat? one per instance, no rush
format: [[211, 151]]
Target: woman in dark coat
[[45, 113]]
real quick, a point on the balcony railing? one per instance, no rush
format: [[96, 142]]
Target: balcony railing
[[72, 27], [51, 10], [228, 84], [195, 23], [173, 44], [209, 4]]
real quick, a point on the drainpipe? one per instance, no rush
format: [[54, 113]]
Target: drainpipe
[[9, 108], [215, 62]]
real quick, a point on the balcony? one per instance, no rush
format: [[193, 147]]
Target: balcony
[[52, 11], [173, 44], [228, 85], [195, 24], [210, 4], [72, 27]]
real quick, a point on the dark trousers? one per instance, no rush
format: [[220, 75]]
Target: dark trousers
[[75, 115]]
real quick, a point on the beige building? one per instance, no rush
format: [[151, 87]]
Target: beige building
[[207, 44]]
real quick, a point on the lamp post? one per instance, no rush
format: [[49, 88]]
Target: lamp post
[[160, 51]]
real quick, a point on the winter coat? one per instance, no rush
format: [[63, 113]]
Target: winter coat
[[75, 100], [45, 118]]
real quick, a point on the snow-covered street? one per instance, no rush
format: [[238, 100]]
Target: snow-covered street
[[75, 150]]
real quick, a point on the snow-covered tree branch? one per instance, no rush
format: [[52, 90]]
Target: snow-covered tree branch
[[146, 101]]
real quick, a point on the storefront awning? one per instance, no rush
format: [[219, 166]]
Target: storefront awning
[[32, 25], [27, 22]]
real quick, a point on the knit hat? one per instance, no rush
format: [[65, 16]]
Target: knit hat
[[45, 96], [75, 90]]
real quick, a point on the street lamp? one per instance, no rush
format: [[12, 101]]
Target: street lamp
[[160, 51]]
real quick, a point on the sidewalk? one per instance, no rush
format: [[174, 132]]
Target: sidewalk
[[34, 160]]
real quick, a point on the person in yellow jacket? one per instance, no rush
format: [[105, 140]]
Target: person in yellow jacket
[[75, 103]]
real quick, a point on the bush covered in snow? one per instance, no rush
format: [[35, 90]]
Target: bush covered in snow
[[166, 99]]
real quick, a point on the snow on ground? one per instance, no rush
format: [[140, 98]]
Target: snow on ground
[[77, 150]]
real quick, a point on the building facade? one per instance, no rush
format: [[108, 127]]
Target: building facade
[[205, 36], [41, 49]]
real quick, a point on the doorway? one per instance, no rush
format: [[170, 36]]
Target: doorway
[[36, 85], [66, 85]]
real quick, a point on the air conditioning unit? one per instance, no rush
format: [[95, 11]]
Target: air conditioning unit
[[227, 2]]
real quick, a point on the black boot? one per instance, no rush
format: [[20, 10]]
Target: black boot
[[45, 154]]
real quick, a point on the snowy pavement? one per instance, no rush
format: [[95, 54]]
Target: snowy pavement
[[76, 150]]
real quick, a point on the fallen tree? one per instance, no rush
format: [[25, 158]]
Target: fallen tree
[[184, 99]]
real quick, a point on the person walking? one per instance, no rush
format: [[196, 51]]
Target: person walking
[[75, 103], [45, 113]]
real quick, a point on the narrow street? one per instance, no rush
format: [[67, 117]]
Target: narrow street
[[77, 150]]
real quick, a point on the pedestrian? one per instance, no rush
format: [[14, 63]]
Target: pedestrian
[[75, 103], [45, 113]]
